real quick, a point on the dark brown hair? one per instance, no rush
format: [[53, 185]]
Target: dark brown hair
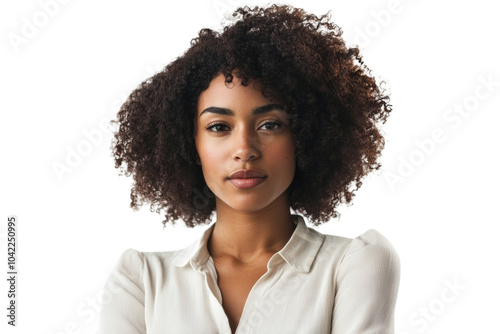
[[300, 59]]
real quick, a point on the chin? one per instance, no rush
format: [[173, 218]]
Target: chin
[[246, 204]]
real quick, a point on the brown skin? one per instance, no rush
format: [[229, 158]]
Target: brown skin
[[334, 106], [235, 282], [303, 61], [253, 223], [254, 220]]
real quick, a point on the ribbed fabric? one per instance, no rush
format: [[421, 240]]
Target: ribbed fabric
[[316, 284]]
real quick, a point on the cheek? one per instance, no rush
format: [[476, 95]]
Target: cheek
[[283, 154], [210, 155]]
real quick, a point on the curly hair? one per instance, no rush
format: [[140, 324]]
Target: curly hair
[[298, 58]]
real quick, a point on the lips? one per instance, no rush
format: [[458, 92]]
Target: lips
[[246, 174], [247, 183]]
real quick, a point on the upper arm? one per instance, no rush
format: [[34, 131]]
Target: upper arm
[[123, 312], [367, 287]]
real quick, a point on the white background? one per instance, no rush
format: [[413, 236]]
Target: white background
[[82, 60]]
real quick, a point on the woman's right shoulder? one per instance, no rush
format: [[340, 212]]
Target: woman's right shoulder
[[131, 255], [137, 260]]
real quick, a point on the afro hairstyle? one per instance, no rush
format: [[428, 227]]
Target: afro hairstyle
[[299, 58]]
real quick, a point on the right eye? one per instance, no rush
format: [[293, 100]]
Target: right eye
[[215, 126]]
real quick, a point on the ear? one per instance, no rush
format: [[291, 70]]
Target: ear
[[198, 162]]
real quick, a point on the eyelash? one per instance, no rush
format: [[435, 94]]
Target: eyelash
[[210, 126]]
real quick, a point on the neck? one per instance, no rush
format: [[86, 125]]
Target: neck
[[250, 237]]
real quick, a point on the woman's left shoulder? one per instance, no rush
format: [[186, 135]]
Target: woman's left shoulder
[[366, 285], [372, 248], [373, 240]]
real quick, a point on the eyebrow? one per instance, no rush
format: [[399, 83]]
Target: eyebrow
[[255, 111]]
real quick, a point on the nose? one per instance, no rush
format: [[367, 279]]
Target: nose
[[246, 147]]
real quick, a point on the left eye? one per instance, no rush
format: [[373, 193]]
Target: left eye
[[278, 125]]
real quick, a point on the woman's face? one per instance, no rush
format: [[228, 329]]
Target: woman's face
[[238, 129]]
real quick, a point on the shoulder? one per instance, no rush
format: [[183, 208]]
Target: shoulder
[[367, 283], [133, 262], [128, 270], [374, 243], [130, 263], [370, 246], [130, 258], [371, 255]]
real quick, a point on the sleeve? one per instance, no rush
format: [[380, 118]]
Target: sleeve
[[123, 311], [367, 287]]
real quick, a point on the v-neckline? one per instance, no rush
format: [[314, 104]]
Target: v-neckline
[[249, 297]]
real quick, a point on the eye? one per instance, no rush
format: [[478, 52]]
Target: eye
[[219, 127], [215, 125], [276, 125]]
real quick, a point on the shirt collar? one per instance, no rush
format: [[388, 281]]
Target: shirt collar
[[299, 252]]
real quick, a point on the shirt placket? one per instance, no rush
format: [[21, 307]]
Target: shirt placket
[[215, 296], [253, 317]]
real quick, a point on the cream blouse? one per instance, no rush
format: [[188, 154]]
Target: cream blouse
[[317, 283]]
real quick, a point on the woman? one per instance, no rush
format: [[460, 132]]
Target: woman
[[271, 115]]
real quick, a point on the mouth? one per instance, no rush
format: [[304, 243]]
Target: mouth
[[246, 174], [245, 183]]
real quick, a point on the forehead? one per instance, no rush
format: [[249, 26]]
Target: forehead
[[222, 94]]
